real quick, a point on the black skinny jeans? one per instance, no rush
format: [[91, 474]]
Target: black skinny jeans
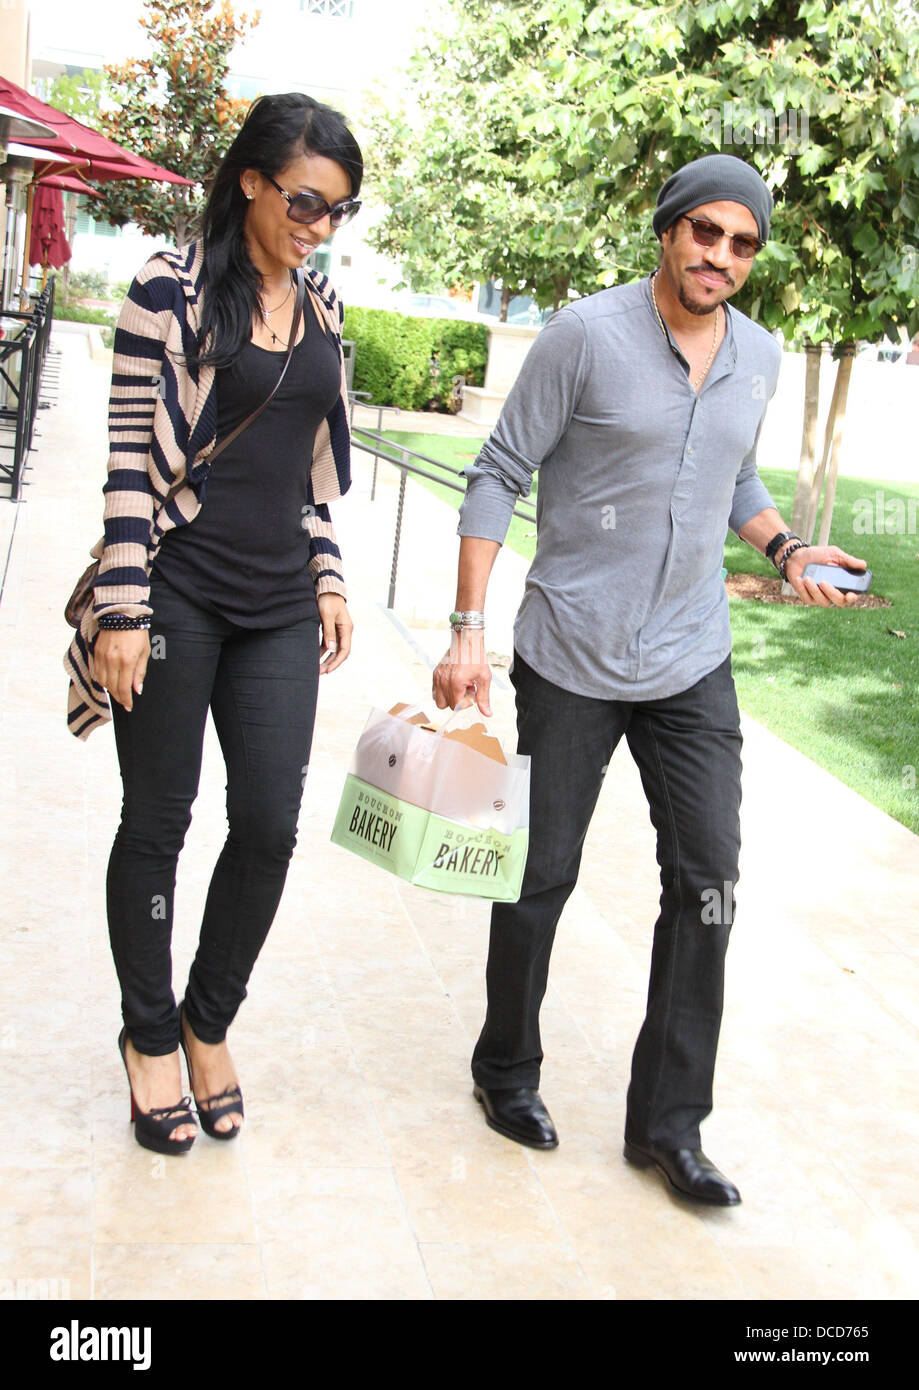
[[687, 749], [260, 685]]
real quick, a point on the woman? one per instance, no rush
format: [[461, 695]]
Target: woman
[[224, 613]]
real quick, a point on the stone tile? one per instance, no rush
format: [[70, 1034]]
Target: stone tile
[[518, 1271], [329, 1234], [197, 1198], [44, 1207], [51, 1269], [179, 1272]]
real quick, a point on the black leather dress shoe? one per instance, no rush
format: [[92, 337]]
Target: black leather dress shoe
[[689, 1172], [518, 1114]]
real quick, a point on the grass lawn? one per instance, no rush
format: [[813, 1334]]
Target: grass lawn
[[838, 685]]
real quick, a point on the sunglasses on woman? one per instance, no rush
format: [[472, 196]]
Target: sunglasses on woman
[[309, 207], [709, 233]]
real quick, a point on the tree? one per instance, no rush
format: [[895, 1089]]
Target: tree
[[450, 162], [819, 96], [598, 103], [173, 108]]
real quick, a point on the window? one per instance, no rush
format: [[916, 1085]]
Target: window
[[331, 9]]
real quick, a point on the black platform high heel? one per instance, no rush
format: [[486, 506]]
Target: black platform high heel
[[228, 1102], [152, 1128]]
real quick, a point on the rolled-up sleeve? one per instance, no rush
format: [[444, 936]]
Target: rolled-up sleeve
[[536, 414], [751, 496]]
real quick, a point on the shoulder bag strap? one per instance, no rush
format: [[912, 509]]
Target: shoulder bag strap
[[294, 329]]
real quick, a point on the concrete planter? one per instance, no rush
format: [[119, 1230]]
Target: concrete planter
[[508, 345]]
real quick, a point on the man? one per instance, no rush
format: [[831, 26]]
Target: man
[[642, 407]]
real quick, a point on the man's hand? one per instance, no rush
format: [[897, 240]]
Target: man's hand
[[337, 628], [119, 662], [822, 595], [464, 674]]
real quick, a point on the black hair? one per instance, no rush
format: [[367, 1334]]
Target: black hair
[[276, 130]]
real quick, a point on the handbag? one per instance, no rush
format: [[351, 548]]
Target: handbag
[[82, 596]]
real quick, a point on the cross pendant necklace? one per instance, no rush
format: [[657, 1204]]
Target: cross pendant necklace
[[265, 312]]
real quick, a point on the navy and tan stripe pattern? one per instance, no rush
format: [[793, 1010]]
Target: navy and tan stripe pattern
[[162, 429]]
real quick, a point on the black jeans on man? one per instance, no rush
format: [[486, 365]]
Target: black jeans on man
[[260, 685], [687, 748]]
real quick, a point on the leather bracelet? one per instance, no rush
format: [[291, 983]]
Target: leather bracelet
[[798, 545], [122, 622], [777, 541]]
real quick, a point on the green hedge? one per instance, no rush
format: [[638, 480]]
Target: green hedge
[[394, 355], [76, 313]]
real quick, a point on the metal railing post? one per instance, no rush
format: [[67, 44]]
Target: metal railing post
[[23, 413], [395, 550]]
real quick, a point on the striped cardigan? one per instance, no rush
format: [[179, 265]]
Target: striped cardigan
[[162, 428]]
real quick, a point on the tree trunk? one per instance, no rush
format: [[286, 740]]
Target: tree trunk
[[813, 353], [560, 288], [834, 429], [505, 301], [834, 423]]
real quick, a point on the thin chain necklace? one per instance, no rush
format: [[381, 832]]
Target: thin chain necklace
[[697, 381], [264, 312]]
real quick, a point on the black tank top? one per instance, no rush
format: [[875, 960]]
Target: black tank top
[[245, 555]]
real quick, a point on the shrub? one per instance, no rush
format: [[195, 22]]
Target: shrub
[[75, 313], [410, 362]]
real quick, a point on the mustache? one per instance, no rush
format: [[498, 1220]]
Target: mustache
[[712, 270]]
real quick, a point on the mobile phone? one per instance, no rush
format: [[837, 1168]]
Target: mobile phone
[[840, 576]]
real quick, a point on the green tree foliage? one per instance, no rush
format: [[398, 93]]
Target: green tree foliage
[[820, 96], [543, 130], [172, 107], [450, 162], [79, 94]]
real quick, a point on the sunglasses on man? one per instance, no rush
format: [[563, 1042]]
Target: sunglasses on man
[[309, 207], [708, 234]]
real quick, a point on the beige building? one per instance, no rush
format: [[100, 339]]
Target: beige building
[[14, 41]]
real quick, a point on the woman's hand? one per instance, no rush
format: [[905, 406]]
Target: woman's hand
[[119, 663], [336, 632]]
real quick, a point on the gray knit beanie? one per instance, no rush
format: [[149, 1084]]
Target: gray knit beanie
[[713, 179]]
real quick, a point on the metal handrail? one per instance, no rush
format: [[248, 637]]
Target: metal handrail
[[376, 447], [31, 344]]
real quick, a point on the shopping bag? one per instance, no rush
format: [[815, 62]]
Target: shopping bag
[[445, 809]]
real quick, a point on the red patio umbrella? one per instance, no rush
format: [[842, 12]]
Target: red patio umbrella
[[91, 155], [73, 138], [48, 246], [68, 183]]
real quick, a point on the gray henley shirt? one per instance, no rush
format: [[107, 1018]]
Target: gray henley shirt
[[640, 477]]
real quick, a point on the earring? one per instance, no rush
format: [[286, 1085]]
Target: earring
[[249, 197]]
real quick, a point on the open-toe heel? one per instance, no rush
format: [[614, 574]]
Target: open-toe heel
[[228, 1102], [152, 1128]]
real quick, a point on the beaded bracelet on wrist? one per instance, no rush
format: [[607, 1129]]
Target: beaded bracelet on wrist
[[798, 545], [122, 622]]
